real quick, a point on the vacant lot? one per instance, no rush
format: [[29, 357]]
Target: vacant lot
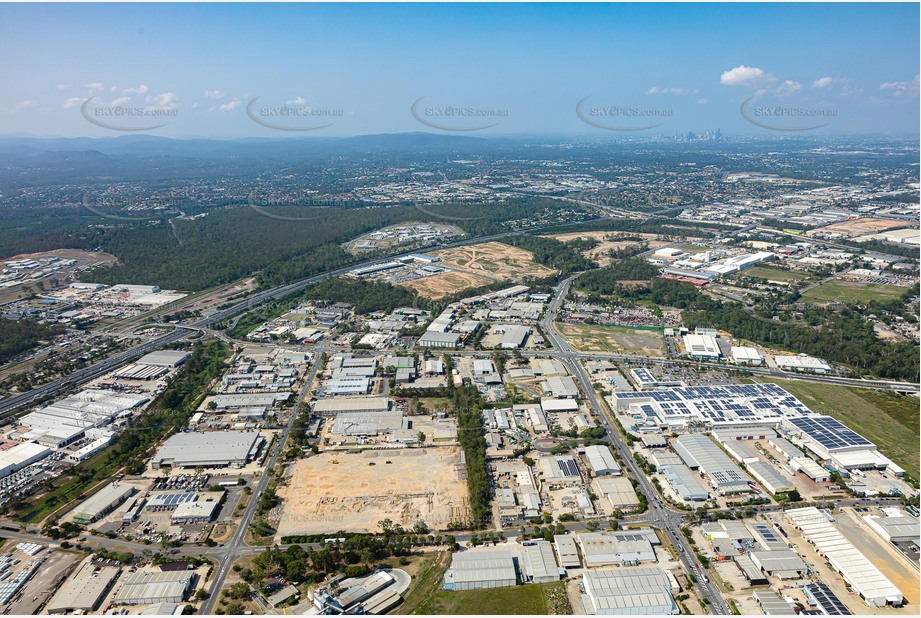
[[890, 421], [529, 599], [859, 227], [607, 241], [445, 284], [851, 292], [494, 260], [618, 339], [775, 274], [354, 491]]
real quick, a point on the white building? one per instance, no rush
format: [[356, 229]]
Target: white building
[[702, 347]]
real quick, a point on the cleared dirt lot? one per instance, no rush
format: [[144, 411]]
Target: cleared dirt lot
[[607, 241], [493, 260], [618, 339], [864, 225], [342, 491], [445, 284]]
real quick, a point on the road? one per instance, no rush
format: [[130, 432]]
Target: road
[[237, 545], [658, 515]]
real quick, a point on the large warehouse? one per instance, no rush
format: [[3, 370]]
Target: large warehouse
[[215, 449], [702, 347], [600, 460], [838, 444], [700, 452], [145, 587], [604, 548], [863, 576], [65, 421], [164, 358], [102, 502], [472, 570], [85, 590], [629, 592], [618, 491], [685, 483], [369, 423], [354, 405], [21, 455]]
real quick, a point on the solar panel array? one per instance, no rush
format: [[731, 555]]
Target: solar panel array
[[826, 600], [717, 405], [568, 467], [830, 433], [643, 376]]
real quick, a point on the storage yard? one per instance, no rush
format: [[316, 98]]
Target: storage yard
[[354, 491]]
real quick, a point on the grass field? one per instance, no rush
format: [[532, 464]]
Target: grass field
[[851, 292], [775, 274], [529, 599], [889, 421], [618, 339]]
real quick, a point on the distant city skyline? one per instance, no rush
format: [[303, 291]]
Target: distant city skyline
[[322, 70]]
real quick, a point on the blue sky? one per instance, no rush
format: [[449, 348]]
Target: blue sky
[[195, 68]]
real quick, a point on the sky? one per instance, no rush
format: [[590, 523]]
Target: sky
[[283, 70]]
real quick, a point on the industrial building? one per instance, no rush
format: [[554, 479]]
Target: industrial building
[[600, 460], [351, 385], [785, 448], [685, 483], [742, 406], [567, 551], [436, 339], [145, 587], [772, 604], [20, 456], [513, 335], [702, 347], [862, 575], [821, 597], [369, 423], [605, 548], [66, 421], [353, 405], [193, 512], [84, 591], [560, 469], [102, 502], [215, 449], [629, 592], [769, 478], [802, 364], [895, 527], [164, 358], [560, 387], [618, 491], [780, 563], [743, 355], [244, 401], [834, 442], [476, 569], [540, 563], [700, 453]]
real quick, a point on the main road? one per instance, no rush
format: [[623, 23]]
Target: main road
[[659, 516]]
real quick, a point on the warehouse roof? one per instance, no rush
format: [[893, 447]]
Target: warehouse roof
[[698, 451], [149, 587], [84, 590], [540, 560], [481, 566], [779, 561], [618, 490], [351, 404], [103, 500], [630, 591], [862, 574], [193, 448], [772, 604], [164, 358]]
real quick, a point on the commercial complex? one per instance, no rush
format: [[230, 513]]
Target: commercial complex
[[67, 420], [21, 455], [472, 570], [700, 453], [84, 591], [144, 587], [102, 502]]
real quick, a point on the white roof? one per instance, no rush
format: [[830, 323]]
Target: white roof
[[630, 591]]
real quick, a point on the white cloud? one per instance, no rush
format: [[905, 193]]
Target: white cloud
[[26, 104], [165, 100], [120, 101], [230, 105], [214, 94], [95, 86], [678, 91], [703, 101], [63, 87], [195, 105], [902, 89], [296, 101], [789, 86], [73, 102], [822, 82], [745, 76], [142, 89]]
